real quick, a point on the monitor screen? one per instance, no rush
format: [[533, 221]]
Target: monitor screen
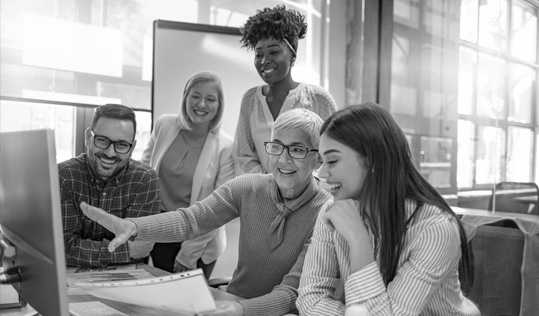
[[30, 219]]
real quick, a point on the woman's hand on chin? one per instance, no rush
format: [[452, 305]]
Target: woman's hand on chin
[[345, 217]]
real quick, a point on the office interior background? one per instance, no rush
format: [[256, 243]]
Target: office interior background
[[459, 76]]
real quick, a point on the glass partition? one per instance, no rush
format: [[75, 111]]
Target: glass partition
[[463, 80]]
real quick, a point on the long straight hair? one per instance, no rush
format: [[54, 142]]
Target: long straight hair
[[371, 131]]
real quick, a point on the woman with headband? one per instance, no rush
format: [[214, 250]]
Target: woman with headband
[[273, 34]]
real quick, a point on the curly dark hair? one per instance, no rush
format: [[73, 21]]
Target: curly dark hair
[[278, 23]]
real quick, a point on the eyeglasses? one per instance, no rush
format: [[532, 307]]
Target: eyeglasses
[[121, 147], [297, 152]]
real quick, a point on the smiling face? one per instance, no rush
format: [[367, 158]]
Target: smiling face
[[273, 60], [202, 103], [292, 175], [106, 163], [343, 168]]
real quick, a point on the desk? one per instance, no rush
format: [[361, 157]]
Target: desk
[[501, 215], [134, 310]]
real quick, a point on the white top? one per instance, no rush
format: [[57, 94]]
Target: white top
[[255, 123]]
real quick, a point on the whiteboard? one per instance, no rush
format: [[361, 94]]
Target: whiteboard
[[181, 49]]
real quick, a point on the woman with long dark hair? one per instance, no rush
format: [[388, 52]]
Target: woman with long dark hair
[[389, 237]]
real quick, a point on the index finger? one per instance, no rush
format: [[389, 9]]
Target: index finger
[[98, 215]]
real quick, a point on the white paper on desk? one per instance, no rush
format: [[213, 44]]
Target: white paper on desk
[[184, 293], [101, 276]]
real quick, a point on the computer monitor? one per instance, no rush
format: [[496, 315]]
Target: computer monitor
[[30, 219]]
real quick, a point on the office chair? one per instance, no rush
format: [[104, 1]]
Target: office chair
[[497, 252], [505, 195]]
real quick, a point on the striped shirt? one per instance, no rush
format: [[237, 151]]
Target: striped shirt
[[134, 192], [267, 278], [426, 282], [255, 123]]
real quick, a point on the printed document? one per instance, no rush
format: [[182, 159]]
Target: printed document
[[109, 274], [182, 293]]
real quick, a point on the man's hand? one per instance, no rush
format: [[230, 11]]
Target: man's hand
[[139, 249], [225, 308], [122, 228]]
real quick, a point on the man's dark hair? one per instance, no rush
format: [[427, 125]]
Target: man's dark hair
[[115, 111]]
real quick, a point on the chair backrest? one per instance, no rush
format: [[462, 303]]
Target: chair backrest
[[504, 196], [497, 256]]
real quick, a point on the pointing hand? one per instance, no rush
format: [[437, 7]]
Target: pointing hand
[[122, 228]]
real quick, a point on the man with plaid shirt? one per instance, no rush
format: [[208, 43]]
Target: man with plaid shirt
[[106, 177]]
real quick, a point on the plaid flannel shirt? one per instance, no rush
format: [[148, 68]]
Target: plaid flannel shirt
[[134, 192]]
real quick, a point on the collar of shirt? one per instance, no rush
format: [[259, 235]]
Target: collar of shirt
[[309, 192]]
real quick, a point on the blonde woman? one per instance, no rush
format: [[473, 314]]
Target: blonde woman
[[192, 157]]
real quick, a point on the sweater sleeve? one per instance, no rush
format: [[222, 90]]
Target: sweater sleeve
[[246, 158], [282, 299], [200, 218]]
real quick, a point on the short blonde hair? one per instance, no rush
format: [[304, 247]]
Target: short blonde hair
[[301, 119], [203, 76]]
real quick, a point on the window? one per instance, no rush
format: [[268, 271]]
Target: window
[[498, 68], [463, 86], [60, 59], [424, 84], [15, 116]]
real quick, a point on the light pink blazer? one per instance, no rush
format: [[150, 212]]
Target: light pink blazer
[[214, 168]]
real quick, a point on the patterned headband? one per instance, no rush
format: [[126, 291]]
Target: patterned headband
[[290, 46]]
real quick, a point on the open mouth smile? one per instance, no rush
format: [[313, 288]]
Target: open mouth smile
[[266, 71], [284, 171], [106, 162], [200, 113], [333, 188]]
